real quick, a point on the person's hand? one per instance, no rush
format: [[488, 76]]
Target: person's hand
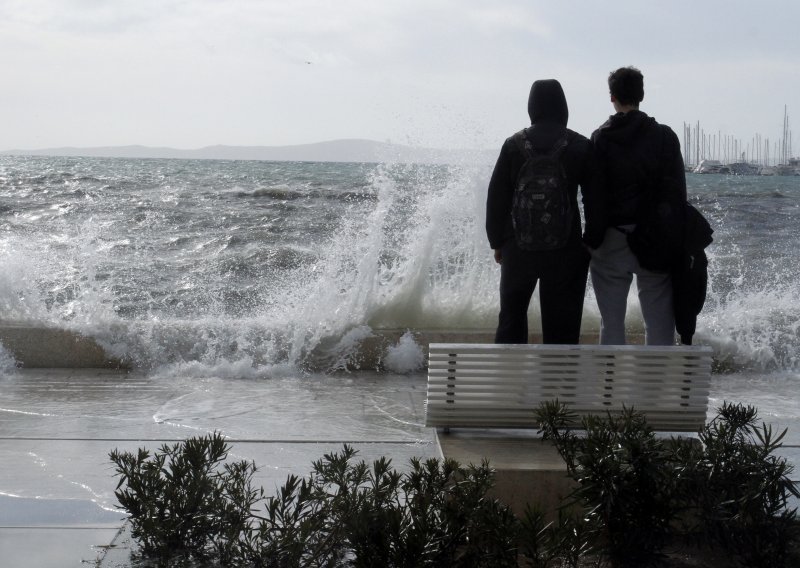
[[498, 256]]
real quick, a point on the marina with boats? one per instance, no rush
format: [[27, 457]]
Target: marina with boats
[[715, 153]]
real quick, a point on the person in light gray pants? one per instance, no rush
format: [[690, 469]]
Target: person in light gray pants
[[613, 266], [642, 166]]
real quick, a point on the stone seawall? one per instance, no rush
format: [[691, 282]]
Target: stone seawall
[[372, 350], [49, 347]]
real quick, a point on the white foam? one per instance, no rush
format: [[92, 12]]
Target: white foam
[[755, 329], [405, 357]]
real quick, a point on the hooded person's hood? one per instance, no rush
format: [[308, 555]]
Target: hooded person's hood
[[547, 107], [547, 103]]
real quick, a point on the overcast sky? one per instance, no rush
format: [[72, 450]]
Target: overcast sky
[[441, 73]]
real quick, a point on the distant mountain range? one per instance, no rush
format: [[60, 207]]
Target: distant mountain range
[[353, 150]]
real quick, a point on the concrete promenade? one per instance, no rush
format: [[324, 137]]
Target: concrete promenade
[[57, 426]]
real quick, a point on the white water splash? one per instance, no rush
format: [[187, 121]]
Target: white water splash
[[755, 329], [405, 357], [136, 260]]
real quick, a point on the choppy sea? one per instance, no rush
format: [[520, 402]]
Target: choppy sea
[[244, 268]]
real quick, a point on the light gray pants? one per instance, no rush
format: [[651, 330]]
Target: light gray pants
[[613, 266]]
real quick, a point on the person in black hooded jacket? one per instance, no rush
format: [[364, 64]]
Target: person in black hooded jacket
[[645, 186], [561, 272]]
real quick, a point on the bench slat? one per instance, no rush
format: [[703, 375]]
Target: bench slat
[[501, 386], [522, 377], [614, 350]]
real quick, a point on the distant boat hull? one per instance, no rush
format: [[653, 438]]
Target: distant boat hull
[[711, 167]]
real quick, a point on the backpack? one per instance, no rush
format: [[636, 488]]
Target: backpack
[[541, 210]]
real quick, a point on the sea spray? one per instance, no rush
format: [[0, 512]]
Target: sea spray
[[443, 275], [752, 313], [412, 260], [405, 357], [413, 256], [183, 266], [755, 329]]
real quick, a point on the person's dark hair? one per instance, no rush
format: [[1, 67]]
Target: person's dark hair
[[627, 85]]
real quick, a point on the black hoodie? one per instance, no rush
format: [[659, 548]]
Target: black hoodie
[[643, 165], [548, 111], [638, 156]]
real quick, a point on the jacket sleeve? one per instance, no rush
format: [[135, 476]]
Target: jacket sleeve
[[499, 198], [593, 196]]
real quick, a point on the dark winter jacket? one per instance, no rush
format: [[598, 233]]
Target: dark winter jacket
[[690, 275], [639, 157], [547, 108]]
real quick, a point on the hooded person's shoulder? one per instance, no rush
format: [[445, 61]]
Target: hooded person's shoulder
[[545, 136], [578, 142], [576, 137], [511, 143]]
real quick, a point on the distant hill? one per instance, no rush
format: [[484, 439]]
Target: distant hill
[[352, 150]]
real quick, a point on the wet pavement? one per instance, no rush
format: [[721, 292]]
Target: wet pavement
[[57, 427]]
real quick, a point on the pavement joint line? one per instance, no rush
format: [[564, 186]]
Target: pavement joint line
[[238, 440], [231, 440], [63, 527]]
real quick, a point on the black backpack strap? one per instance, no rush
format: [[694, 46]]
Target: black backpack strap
[[522, 142], [525, 146], [559, 147]]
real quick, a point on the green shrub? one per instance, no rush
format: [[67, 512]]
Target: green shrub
[[740, 490], [635, 493], [546, 544], [183, 501], [349, 514], [184, 504], [625, 480], [639, 491]]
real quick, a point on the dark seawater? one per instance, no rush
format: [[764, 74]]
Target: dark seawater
[[245, 267]]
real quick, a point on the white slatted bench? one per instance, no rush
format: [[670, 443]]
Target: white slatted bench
[[501, 386]]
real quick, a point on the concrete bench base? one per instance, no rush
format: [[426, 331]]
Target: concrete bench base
[[528, 470]]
